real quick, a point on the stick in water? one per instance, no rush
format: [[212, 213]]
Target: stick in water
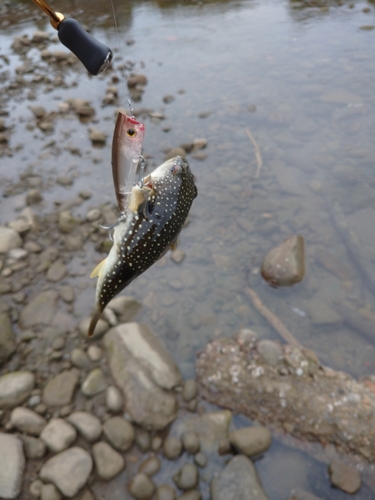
[[273, 320], [257, 153]]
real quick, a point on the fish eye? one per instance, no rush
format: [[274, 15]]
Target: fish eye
[[131, 132]]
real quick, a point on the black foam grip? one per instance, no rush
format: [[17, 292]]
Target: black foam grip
[[90, 52]]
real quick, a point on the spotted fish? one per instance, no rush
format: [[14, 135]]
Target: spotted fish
[[157, 210]]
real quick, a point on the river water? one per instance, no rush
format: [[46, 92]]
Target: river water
[[299, 76]]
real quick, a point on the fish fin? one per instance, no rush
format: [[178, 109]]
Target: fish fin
[[96, 272], [174, 244], [94, 319]]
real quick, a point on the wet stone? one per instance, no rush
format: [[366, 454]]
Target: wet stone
[[36, 488], [224, 447], [344, 477], [165, 492], [211, 427], [12, 462], [187, 478], [97, 137], [7, 339], [190, 390], [40, 310], [56, 272], [172, 447], [79, 358], [126, 308], [93, 215], [143, 440], [114, 399], [94, 353], [64, 180], [156, 443], [94, 383], [178, 256], [251, 440], [50, 492], [88, 425], [33, 197], [25, 420], [190, 442], [58, 435], [33, 447], [150, 466], [190, 495], [15, 388], [141, 487], [67, 294], [119, 432], [201, 459], [284, 265], [9, 238], [60, 390], [68, 471], [108, 462]]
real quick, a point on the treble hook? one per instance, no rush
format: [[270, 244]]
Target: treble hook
[[142, 166], [122, 218]]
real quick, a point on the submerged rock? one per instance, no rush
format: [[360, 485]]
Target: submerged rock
[[344, 477], [237, 481], [15, 388], [211, 428], [59, 390], [40, 311], [284, 265], [145, 372], [108, 462], [9, 238], [251, 440]]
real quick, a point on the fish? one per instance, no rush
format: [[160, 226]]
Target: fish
[[158, 208], [127, 144]]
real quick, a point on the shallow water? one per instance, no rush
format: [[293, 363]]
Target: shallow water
[[300, 78]]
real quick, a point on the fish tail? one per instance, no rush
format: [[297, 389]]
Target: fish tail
[[94, 320]]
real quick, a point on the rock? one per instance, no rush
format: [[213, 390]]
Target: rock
[[210, 427], [60, 390], [321, 314], [67, 223], [150, 466], [67, 294], [33, 447], [135, 80], [84, 494], [165, 492], [12, 463], [88, 425], [178, 256], [190, 495], [189, 390], [141, 487], [187, 478], [251, 440], [119, 432], [168, 99], [38, 111], [15, 388], [36, 488], [64, 180], [172, 447], [199, 144], [224, 447], [97, 137], [100, 329], [33, 197], [9, 238], [201, 459], [50, 492], [191, 442], [94, 383], [108, 462], [18, 253], [94, 353], [344, 477], [270, 351], [284, 265], [25, 420], [143, 440], [93, 215], [144, 370], [126, 308], [56, 272], [114, 399], [58, 435], [68, 471], [237, 481], [79, 358], [40, 311], [156, 443], [7, 340]]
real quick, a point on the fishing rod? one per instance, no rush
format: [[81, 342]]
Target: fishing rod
[[94, 55]]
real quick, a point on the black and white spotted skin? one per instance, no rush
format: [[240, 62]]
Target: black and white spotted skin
[[154, 219]]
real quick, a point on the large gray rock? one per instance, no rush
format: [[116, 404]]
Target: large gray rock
[[25, 420], [15, 388], [237, 481], [60, 390], [68, 471], [9, 238], [88, 425], [40, 311], [12, 465], [7, 340], [58, 435], [145, 372]]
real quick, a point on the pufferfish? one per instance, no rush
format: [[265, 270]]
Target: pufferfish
[[157, 210]]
